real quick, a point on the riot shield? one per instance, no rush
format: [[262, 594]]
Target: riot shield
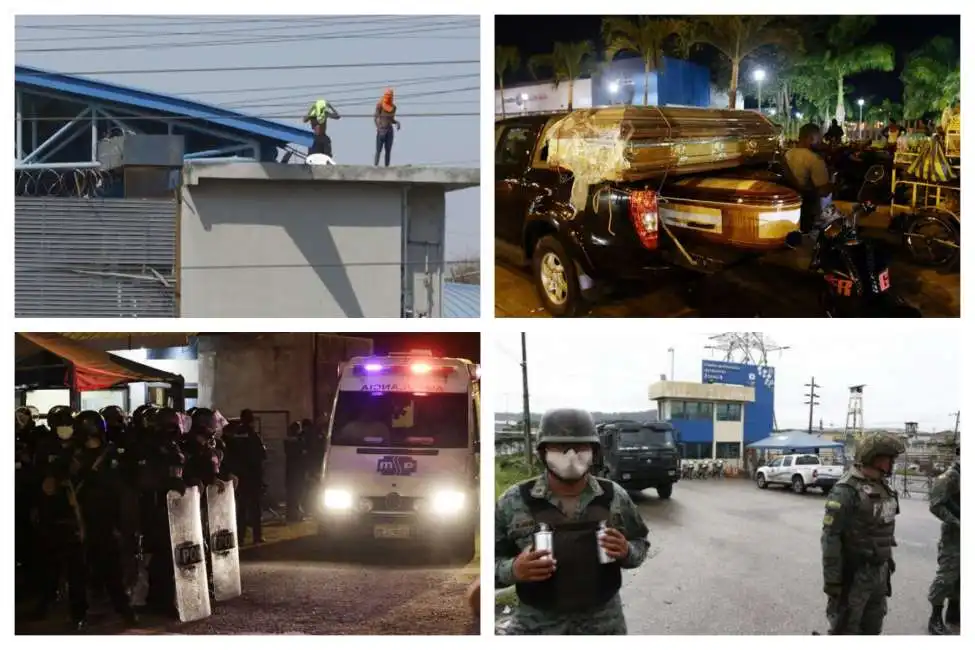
[[224, 552], [186, 534]]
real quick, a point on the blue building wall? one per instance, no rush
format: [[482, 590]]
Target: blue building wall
[[678, 83], [758, 415]]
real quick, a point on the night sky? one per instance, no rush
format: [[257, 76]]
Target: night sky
[[447, 344], [536, 34]]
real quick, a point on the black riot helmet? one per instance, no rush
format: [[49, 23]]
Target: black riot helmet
[[114, 416], [90, 424], [168, 423], [23, 419], [60, 420], [204, 423], [567, 426], [139, 416]]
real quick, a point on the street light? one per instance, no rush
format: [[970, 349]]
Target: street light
[[860, 103], [759, 76], [798, 115]]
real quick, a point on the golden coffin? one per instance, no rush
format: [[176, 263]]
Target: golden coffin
[[627, 143], [746, 214]]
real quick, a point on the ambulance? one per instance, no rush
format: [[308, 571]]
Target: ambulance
[[402, 458]]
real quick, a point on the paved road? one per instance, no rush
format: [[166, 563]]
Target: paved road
[[778, 286], [734, 559], [290, 588]]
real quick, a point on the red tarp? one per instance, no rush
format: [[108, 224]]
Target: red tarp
[[93, 369]]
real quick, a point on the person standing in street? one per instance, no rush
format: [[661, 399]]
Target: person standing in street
[[247, 453], [858, 539], [945, 504], [385, 118], [596, 532]]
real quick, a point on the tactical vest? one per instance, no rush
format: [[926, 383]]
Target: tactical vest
[[580, 582], [870, 538]]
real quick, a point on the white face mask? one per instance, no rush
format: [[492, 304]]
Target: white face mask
[[569, 465], [65, 433]]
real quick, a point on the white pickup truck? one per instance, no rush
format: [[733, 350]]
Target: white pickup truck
[[799, 471]]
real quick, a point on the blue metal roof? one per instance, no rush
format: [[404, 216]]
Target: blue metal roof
[[151, 101], [461, 300]]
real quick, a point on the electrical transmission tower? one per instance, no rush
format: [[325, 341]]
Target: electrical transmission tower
[[752, 348]]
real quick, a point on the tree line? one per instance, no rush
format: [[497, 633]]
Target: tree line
[[808, 61]]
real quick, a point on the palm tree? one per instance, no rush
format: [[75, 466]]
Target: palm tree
[[506, 59], [932, 78], [645, 37], [737, 37], [567, 63], [849, 58]]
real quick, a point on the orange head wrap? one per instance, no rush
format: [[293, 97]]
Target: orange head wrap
[[387, 100]]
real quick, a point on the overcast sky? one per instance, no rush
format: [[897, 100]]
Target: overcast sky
[[313, 40], [909, 377]]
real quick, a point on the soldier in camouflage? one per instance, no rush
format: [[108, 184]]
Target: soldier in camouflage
[[858, 539], [567, 591], [945, 503]]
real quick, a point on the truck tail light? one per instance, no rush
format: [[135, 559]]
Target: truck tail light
[[645, 217]]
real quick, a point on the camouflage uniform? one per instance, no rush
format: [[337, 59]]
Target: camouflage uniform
[[513, 530], [857, 543], [945, 504]]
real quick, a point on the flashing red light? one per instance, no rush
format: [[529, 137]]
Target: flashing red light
[[420, 368]]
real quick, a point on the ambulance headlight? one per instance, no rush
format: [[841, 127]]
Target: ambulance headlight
[[337, 499], [447, 502]]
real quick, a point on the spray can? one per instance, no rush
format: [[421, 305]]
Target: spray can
[[543, 540], [604, 557]]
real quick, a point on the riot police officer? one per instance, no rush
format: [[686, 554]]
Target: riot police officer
[[945, 504], [295, 464], [579, 594], [59, 518], [858, 539], [25, 487], [246, 455], [95, 486], [160, 469]]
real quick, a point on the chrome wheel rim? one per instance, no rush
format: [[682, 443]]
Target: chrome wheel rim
[[552, 276]]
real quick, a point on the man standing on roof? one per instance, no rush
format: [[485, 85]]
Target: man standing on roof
[[318, 116], [385, 118]]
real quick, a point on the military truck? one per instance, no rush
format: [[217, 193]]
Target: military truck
[[640, 455]]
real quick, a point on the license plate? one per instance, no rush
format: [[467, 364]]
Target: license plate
[[391, 532], [626, 476]]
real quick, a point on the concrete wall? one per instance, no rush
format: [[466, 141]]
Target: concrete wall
[[282, 377], [291, 249], [543, 97]]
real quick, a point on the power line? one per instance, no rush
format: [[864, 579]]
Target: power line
[[406, 81], [349, 95], [206, 30], [234, 267], [261, 40], [357, 100], [277, 116], [209, 20], [256, 68]]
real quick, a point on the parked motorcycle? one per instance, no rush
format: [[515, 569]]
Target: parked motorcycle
[[931, 235], [855, 270]]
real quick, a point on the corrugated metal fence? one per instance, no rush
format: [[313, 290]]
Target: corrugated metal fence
[[95, 258]]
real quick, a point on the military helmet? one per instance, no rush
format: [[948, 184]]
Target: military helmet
[[878, 444], [60, 416], [567, 426], [90, 424], [139, 415]]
